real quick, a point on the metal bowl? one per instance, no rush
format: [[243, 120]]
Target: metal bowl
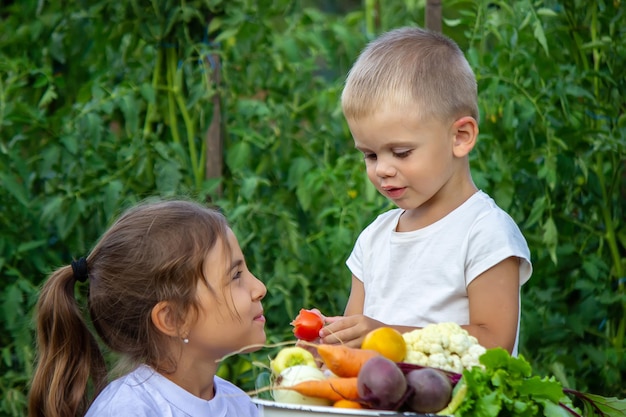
[[273, 409]]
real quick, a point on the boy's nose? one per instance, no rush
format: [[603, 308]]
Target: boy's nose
[[384, 168]]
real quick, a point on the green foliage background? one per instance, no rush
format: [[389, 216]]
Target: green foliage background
[[104, 103]]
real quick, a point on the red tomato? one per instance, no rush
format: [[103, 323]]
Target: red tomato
[[307, 325]]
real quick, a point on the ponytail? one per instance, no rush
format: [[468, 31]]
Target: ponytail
[[68, 353]]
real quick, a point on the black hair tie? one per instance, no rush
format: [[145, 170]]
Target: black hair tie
[[81, 272]]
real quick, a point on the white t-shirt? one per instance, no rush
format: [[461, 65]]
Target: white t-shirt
[[145, 392], [421, 277]]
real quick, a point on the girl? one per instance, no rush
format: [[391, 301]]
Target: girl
[[170, 291]]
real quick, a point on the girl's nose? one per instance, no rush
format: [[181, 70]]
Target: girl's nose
[[259, 289]]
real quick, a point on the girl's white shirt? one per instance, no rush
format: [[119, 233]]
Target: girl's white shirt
[[421, 277], [145, 392]]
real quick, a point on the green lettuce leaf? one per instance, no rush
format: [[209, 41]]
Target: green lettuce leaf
[[505, 386]]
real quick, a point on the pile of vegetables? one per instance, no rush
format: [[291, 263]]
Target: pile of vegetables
[[372, 377], [357, 378], [444, 371]]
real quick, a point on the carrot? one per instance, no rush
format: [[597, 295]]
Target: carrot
[[347, 404], [333, 389], [344, 361]]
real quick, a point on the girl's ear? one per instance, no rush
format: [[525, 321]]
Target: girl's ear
[[164, 319], [465, 131]]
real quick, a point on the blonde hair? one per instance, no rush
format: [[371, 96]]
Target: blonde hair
[[153, 252], [411, 69]]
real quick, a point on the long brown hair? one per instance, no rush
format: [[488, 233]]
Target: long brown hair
[[153, 252]]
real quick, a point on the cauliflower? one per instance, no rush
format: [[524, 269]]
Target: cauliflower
[[445, 346]]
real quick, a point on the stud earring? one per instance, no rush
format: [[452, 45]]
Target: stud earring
[[185, 340]]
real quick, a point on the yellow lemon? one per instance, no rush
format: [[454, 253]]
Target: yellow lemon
[[386, 341]]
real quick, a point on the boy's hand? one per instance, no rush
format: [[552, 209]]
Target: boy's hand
[[348, 330]]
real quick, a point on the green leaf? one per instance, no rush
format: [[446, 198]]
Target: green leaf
[[596, 405], [48, 96], [15, 187], [130, 108], [498, 358], [112, 192], [41, 81], [551, 409], [541, 387], [147, 92], [249, 186], [543, 11], [71, 143], [488, 405], [51, 209], [550, 237], [536, 212], [7, 356], [452, 22], [238, 156], [12, 304], [540, 36], [168, 177], [67, 220], [578, 91], [226, 35], [297, 171], [28, 246]]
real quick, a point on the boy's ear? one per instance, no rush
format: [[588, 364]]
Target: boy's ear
[[465, 132], [164, 319]]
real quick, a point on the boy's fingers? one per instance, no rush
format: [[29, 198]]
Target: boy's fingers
[[332, 319]]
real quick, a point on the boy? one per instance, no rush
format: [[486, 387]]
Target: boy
[[448, 252]]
